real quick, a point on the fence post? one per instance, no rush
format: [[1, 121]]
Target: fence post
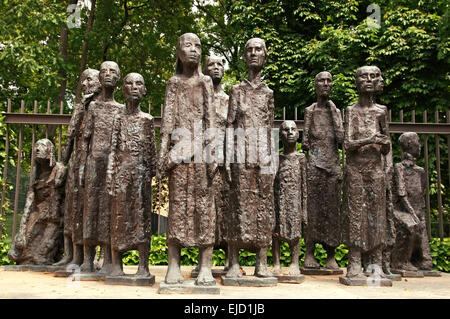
[[19, 161], [439, 181], [427, 178], [5, 168]]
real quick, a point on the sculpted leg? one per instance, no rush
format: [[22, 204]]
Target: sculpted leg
[[276, 255], [261, 269], [107, 262], [173, 275], [354, 269], [88, 260], [144, 252], [77, 255], [68, 252], [205, 277], [117, 266], [294, 269], [331, 261], [310, 261], [234, 270]]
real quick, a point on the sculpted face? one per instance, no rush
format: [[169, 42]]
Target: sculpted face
[[367, 79], [134, 87], [190, 49], [90, 82], [255, 54], [109, 74], [215, 69], [323, 84], [410, 143], [43, 151], [379, 81], [288, 132]]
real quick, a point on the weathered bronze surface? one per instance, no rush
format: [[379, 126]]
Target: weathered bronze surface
[[366, 143], [322, 136], [131, 166], [411, 250], [97, 136], [252, 220], [290, 198], [188, 108], [74, 154], [40, 237]]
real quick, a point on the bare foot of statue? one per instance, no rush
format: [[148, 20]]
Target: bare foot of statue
[[410, 267], [234, 272], [294, 270], [65, 261], [310, 262], [174, 276], [331, 263], [143, 272], [262, 271], [205, 278], [276, 270], [87, 267], [354, 271], [106, 269], [116, 271]]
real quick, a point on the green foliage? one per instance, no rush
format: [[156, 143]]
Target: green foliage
[[440, 252], [4, 249]]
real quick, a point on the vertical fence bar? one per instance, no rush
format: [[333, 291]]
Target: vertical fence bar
[[61, 110], [5, 168], [284, 113], [401, 116], [448, 149], [295, 114], [46, 125], [413, 116], [19, 160], [33, 139], [159, 186], [439, 181], [427, 178]]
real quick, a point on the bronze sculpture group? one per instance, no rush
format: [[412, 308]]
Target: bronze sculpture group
[[229, 196]]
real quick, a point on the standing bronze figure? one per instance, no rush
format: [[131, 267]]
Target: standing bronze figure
[[131, 167], [290, 200], [411, 252], [366, 143], [188, 111], [322, 136], [74, 155], [251, 111], [97, 201], [40, 237]]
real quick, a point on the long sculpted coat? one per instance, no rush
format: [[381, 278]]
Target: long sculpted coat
[[365, 180], [97, 201], [132, 165], [252, 219], [188, 105], [290, 196], [322, 135]]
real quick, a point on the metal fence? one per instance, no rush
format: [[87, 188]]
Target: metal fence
[[429, 131]]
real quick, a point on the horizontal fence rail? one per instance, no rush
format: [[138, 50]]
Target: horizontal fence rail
[[425, 128]]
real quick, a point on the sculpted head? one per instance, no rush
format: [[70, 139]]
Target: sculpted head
[[133, 87], [90, 82], [189, 52], [323, 83], [109, 74], [410, 143], [255, 53], [367, 79], [214, 68], [288, 132], [44, 150]]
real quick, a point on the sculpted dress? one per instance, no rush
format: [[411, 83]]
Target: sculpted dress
[[290, 196], [132, 164], [252, 218], [322, 134], [220, 183], [365, 180], [192, 218], [97, 201], [74, 200]]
